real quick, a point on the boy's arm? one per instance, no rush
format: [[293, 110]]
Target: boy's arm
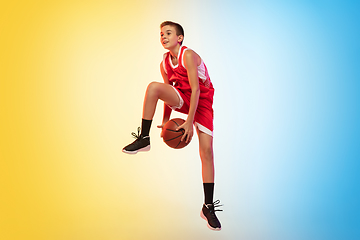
[[167, 110], [191, 61]]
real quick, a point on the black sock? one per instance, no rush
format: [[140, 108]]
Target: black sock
[[145, 127], [208, 192]]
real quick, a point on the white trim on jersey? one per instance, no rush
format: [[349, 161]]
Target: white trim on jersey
[[182, 60], [175, 66], [163, 63], [201, 70]]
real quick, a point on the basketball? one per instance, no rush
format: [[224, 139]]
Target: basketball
[[172, 137]]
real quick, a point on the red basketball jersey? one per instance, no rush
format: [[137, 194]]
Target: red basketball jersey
[[178, 77]]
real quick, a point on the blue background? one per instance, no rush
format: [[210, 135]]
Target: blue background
[[287, 117]]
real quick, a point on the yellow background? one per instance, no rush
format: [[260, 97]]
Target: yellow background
[[73, 77]]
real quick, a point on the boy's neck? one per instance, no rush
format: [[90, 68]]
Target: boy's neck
[[175, 51]]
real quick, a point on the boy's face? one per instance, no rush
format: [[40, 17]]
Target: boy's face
[[168, 37]]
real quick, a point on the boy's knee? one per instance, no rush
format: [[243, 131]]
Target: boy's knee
[[206, 152], [152, 86]]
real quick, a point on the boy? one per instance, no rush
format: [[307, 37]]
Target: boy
[[187, 88]]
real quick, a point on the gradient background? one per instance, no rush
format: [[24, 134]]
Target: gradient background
[[73, 76]]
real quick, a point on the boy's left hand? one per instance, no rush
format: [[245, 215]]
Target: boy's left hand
[[188, 128], [162, 132]]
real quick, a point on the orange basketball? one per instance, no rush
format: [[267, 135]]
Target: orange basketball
[[172, 137]]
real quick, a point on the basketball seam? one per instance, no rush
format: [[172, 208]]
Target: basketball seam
[[178, 144], [167, 129], [173, 138], [175, 122]]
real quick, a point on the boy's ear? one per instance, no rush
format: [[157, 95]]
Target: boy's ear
[[180, 38]]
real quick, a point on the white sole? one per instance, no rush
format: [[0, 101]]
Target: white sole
[[203, 217], [144, 149]]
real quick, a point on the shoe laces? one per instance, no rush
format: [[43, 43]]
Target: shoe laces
[[138, 135], [213, 206]]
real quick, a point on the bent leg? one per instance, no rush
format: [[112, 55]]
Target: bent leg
[[154, 92]]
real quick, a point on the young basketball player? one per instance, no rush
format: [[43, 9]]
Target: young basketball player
[[187, 88]]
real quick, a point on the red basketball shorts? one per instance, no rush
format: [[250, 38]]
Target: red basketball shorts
[[204, 114]]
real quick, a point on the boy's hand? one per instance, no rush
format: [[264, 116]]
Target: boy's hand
[[188, 128], [161, 126]]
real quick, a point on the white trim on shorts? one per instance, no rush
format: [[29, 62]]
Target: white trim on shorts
[[198, 125], [181, 103], [203, 129]]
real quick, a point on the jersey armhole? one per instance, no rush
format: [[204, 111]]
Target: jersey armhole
[[183, 64]]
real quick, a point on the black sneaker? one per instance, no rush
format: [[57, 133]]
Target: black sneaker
[[141, 144], [208, 213]]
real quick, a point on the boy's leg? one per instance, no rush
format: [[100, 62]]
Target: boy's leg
[[207, 163], [207, 156], [154, 92]]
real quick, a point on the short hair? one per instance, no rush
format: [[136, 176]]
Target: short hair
[[178, 28]]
